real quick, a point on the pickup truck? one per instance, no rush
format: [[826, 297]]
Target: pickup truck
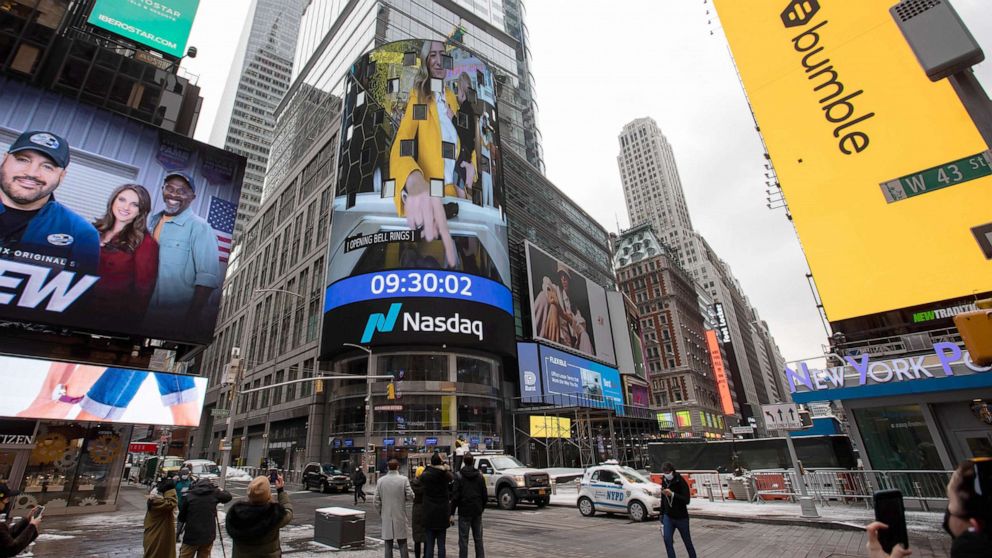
[[509, 481]]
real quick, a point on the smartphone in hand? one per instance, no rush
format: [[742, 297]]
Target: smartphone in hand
[[889, 510], [273, 476], [38, 511]]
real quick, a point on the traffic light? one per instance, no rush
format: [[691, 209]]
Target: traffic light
[[975, 328], [319, 386], [391, 391]]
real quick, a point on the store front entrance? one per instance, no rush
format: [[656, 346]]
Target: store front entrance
[[16, 441]]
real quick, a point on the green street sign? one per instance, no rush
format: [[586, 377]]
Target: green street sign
[[216, 412], [162, 25], [941, 176]]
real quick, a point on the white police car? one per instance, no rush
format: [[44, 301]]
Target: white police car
[[612, 488]]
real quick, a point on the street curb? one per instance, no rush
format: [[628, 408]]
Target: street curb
[[780, 520]]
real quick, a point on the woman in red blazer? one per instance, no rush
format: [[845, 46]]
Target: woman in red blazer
[[128, 258]]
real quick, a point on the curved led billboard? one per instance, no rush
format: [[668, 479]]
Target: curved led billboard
[[418, 251]]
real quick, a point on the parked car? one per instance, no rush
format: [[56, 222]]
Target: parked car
[[203, 468], [325, 477], [612, 488], [509, 481]]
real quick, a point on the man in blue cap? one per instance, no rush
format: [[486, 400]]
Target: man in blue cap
[[188, 260], [30, 219]]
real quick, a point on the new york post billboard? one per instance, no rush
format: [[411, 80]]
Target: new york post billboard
[[162, 25], [567, 309], [109, 225], [41, 389], [418, 250], [567, 380], [886, 176]]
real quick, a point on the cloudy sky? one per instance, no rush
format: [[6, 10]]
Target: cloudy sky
[[596, 69]]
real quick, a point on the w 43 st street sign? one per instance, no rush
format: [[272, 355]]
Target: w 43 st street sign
[[936, 178], [782, 416]]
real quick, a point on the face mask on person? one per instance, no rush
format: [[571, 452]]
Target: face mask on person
[[668, 476]]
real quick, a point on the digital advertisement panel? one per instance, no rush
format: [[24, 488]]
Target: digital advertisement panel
[[529, 361], [886, 176], [719, 372], [418, 251], [162, 25], [566, 308], [109, 225], [571, 380], [550, 427], [41, 389]]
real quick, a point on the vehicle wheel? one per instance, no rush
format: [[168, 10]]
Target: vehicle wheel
[[325, 488], [637, 511], [507, 498], [544, 501], [586, 508]]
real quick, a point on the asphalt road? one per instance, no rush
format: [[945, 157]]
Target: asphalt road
[[523, 533]]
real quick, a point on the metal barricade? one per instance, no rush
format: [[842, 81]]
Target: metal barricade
[[849, 486], [706, 480]]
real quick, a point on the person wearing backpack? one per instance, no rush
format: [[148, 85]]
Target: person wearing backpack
[[469, 501]]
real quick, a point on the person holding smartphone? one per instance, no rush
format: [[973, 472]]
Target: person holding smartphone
[[968, 519], [15, 538]]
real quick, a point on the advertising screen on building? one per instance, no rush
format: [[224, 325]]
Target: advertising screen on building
[[550, 427], [719, 372], [41, 389], [639, 396], [566, 308], [886, 176], [162, 25], [568, 380], [418, 251], [108, 225]]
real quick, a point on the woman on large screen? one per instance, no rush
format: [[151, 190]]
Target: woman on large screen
[[128, 257]]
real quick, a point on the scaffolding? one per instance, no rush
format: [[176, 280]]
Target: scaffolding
[[580, 431]]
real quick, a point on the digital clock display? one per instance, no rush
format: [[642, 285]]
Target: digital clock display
[[418, 283]]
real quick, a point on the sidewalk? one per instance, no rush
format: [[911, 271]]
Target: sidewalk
[[119, 535], [833, 516]]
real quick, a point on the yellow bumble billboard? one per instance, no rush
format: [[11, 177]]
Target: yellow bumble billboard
[[886, 176], [550, 427]]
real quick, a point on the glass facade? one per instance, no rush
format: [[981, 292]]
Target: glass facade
[[897, 438]]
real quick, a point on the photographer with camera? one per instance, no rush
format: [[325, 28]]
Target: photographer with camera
[[198, 512]]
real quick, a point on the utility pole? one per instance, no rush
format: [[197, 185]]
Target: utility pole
[[367, 456]]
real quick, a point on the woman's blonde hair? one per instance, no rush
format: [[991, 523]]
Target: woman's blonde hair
[[422, 83]]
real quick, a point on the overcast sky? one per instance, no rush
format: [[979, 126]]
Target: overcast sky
[[597, 69]]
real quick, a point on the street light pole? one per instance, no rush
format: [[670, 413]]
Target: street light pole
[[369, 446], [227, 443]]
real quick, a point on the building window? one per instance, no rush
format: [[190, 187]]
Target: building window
[[897, 438]]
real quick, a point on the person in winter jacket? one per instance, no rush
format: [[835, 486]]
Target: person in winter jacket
[[469, 500], [160, 521], [968, 519], [254, 524], [674, 510], [198, 512], [14, 539], [183, 484], [437, 502], [417, 515], [358, 479], [392, 492]]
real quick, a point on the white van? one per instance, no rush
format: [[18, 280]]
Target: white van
[[612, 488]]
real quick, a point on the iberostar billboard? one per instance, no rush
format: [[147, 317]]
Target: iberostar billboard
[[42, 389], [886, 177], [162, 25], [567, 309], [418, 251], [109, 225]]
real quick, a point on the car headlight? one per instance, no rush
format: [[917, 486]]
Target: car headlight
[[519, 479], [650, 492]]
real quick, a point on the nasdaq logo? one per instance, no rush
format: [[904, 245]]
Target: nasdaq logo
[[381, 322]]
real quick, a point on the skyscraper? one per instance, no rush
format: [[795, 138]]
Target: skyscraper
[[258, 82], [654, 195]]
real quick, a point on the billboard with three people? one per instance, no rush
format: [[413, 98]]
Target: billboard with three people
[[108, 225], [418, 251]]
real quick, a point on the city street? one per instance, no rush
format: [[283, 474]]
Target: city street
[[524, 533]]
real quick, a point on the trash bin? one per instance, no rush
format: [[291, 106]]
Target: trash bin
[[339, 527]]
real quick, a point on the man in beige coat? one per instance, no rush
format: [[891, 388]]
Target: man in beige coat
[[392, 492]]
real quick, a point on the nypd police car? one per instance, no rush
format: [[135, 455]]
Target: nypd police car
[[612, 488]]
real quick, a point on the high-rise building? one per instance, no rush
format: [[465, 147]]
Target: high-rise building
[[654, 195], [259, 79], [679, 371]]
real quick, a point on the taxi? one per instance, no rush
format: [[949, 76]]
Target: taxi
[[613, 488]]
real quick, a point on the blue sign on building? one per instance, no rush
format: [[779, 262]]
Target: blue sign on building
[[349, 443], [389, 441], [566, 379], [431, 441]]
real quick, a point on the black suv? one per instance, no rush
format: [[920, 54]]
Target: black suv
[[326, 477]]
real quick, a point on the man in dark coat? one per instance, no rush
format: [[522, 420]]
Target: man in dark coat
[[437, 505], [15, 538], [675, 510], [417, 513], [358, 480], [254, 524], [469, 500], [198, 511]]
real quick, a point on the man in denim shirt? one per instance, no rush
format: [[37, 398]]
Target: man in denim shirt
[[188, 260]]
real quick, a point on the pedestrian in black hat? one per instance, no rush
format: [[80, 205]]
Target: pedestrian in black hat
[[14, 539]]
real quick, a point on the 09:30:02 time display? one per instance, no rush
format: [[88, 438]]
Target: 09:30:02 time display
[[390, 283]]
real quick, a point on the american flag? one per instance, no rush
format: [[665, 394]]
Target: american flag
[[221, 218]]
